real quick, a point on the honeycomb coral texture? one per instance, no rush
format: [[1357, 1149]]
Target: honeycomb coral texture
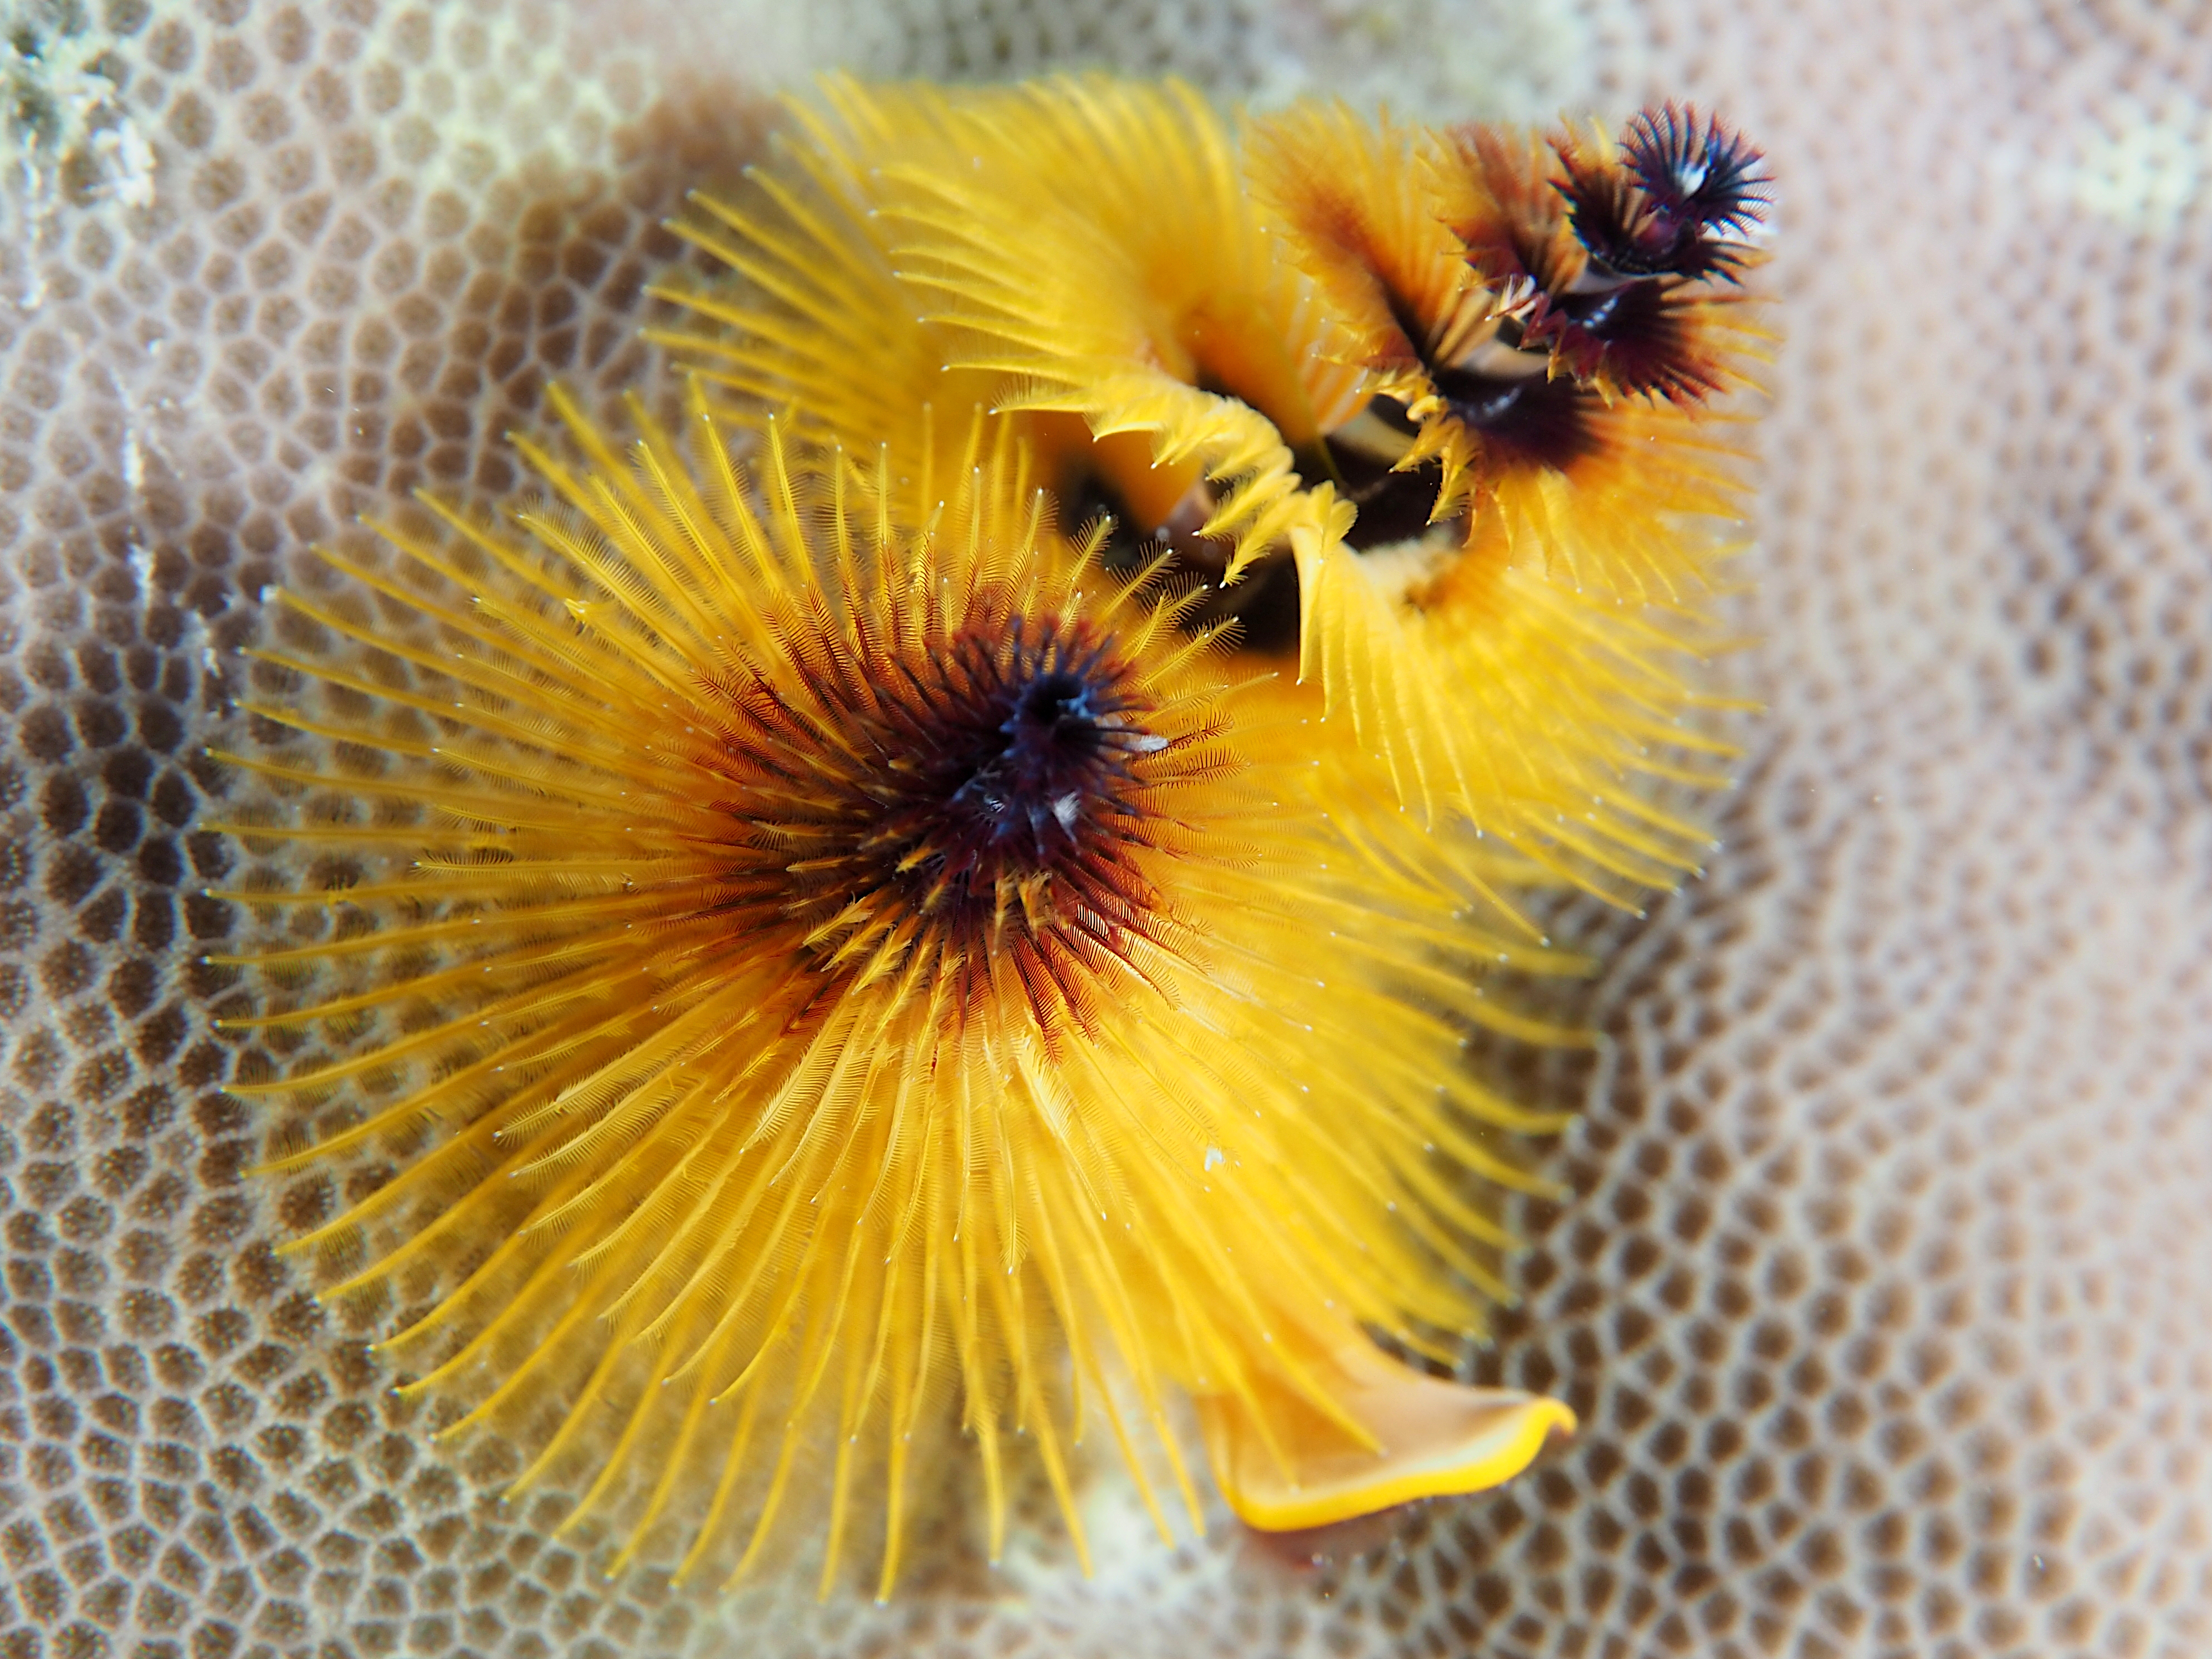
[[1881, 1296]]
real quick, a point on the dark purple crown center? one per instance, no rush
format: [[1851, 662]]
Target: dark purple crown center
[[1020, 761], [1033, 786]]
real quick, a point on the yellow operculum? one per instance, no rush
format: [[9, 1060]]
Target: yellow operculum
[[1284, 1464]]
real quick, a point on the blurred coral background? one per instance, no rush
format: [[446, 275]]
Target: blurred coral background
[[1883, 1294]]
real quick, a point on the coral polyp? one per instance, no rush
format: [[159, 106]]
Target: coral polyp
[[834, 979]]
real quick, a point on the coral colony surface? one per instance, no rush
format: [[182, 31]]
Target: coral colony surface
[[1865, 1243]]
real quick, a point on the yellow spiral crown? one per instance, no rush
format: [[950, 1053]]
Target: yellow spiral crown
[[811, 967]]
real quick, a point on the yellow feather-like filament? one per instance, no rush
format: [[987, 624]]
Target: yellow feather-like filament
[[748, 1096]]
